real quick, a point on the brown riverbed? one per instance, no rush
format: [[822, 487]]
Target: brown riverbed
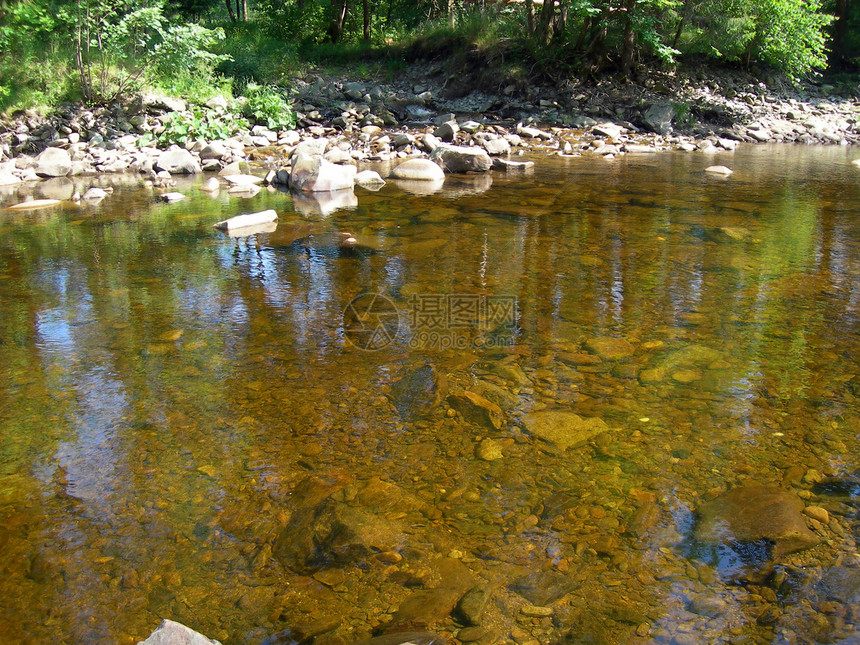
[[169, 395]]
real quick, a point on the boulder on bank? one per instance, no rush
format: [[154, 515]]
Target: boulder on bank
[[462, 158], [419, 170], [314, 174], [659, 117], [53, 162], [177, 161]]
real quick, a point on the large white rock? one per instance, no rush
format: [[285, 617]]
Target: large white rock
[[310, 148], [719, 170], [8, 179], [659, 118], [248, 219], [53, 162], [312, 174], [462, 158], [214, 150], [369, 179], [177, 161], [418, 170], [172, 633]]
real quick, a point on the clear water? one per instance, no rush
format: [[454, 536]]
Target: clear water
[[164, 388]]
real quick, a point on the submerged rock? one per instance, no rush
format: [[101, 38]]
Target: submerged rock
[[750, 526], [476, 409], [426, 607], [406, 638], [563, 428], [419, 392], [610, 348], [325, 532]]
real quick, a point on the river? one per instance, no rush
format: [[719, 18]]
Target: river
[[216, 430]]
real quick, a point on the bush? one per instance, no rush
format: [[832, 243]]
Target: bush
[[180, 127], [267, 106]]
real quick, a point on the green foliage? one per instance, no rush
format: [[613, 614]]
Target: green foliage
[[140, 44], [255, 56], [34, 57], [266, 105], [307, 22], [180, 127], [791, 35]]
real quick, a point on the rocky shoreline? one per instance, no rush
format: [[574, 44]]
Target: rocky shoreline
[[366, 122]]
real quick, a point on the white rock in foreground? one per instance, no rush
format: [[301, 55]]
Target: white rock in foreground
[[173, 633], [856, 162], [249, 219], [719, 170], [35, 203]]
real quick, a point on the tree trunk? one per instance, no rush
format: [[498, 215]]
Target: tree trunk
[[338, 20], [684, 13], [840, 30], [583, 32], [530, 16], [545, 27], [366, 30], [628, 46], [451, 20], [244, 10], [230, 10], [561, 20]]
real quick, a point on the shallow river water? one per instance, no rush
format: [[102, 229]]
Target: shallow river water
[[215, 430]]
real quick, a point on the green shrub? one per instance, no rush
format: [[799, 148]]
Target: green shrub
[[180, 127], [267, 106]]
